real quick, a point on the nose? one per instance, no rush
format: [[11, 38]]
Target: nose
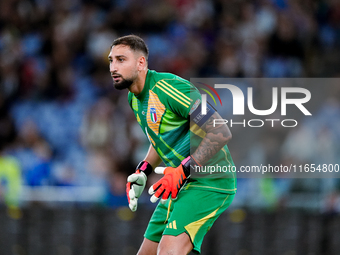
[[113, 67]]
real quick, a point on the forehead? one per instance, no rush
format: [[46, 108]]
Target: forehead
[[119, 50]]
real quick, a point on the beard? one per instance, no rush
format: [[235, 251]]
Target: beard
[[123, 84]]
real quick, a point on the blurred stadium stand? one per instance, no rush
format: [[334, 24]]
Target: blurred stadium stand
[[74, 138]]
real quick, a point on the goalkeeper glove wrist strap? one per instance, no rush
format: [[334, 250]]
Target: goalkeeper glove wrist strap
[[186, 163], [189, 163], [145, 167]]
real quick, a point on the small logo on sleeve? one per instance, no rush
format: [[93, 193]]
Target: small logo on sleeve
[[153, 114]]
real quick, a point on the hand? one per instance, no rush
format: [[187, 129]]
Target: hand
[[136, 184], [172, 182]]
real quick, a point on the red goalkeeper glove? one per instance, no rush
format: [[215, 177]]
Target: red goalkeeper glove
[[171, 183], [136, 184]]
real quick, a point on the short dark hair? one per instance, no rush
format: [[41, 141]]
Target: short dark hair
[[134, 42]]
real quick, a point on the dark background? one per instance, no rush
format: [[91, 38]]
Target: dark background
[[68, 140]]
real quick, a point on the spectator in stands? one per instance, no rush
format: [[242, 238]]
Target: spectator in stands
[[35, 155], [10, 180]]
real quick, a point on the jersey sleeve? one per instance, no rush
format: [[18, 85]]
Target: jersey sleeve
[[182, 97]]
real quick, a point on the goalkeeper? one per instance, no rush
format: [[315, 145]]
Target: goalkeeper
[[167, 108]]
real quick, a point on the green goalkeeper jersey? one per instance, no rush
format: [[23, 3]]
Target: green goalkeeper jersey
[[162, 110]]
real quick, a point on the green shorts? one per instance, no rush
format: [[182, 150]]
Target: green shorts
[[193, 212]]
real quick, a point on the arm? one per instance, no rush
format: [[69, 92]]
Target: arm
[[216, 137], [152, 157]]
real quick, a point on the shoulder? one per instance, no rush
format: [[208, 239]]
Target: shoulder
[[171, 86], [176, 93], [158, 78]]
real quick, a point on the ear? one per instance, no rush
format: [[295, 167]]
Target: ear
[[141, 63]]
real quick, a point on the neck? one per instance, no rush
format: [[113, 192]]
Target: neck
[[138, 85]]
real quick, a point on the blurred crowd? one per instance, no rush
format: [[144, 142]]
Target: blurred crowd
[[63, 124]]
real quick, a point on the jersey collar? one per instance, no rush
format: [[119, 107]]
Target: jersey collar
[[141, 95]]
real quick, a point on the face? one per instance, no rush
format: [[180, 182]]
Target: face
[[124, 66]]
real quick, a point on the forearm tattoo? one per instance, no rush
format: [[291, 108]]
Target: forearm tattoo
[[216, 137]]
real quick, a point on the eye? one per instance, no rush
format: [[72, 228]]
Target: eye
[[120, 59]]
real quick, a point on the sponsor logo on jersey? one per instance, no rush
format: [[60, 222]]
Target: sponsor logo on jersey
[[153, 114]]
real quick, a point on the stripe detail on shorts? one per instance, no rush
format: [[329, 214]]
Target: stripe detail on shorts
[[194, 227], [167, 215]]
